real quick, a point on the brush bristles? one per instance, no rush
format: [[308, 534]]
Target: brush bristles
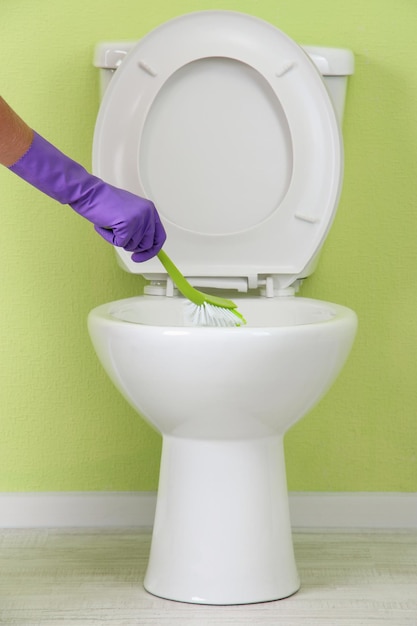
[[210, 315]]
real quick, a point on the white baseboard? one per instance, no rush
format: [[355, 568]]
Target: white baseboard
[[350, 510], [310, 510]]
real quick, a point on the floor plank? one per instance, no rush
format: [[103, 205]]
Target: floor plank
[[93, 577]]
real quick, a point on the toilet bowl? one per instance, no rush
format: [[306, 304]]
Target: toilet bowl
[[227, 125], [222, 400]]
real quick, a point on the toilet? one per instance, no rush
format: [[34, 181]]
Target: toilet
[[234, 131]]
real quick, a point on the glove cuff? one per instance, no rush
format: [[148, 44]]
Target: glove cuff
[[48, 169]]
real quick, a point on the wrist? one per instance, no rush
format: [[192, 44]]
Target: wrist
[[15, 136]]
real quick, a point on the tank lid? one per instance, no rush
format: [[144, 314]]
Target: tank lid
[[331, 61], [109, 54]]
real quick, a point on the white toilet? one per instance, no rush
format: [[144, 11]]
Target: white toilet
[[233, 130]]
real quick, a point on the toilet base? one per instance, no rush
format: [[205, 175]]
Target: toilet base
[[222, 531]]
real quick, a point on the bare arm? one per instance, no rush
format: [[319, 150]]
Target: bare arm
[[15, 135]]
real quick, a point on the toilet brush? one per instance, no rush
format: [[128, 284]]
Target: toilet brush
[[203, 309]]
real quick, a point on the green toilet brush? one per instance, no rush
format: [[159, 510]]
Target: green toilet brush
[[204, 310]]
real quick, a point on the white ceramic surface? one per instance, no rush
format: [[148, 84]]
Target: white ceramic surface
[[226, 124], [222, 398]]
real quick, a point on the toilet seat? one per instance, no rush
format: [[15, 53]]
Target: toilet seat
[[225, 123]]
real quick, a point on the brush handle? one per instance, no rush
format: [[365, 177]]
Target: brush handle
[[180, 281], [187, 290]]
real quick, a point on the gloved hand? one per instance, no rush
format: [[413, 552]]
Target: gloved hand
[[120, 217]]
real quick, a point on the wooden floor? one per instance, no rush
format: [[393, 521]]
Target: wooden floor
[[88, 578]]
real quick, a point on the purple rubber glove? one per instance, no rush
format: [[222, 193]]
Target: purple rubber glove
[[120, 217]]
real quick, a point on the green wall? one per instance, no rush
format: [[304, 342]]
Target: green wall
[[62, 425]]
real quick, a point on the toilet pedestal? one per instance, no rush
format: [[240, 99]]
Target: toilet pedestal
[[222, 531]]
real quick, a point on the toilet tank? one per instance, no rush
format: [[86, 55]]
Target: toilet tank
[[334, 64]]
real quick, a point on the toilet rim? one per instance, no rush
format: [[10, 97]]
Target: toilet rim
[[288, 313], [324, 182]]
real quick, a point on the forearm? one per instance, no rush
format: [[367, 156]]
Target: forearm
[[120, 217], [15, 135]]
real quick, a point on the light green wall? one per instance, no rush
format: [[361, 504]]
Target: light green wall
[[62, 425]]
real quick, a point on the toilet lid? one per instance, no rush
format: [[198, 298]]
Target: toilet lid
[[225, 123]]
